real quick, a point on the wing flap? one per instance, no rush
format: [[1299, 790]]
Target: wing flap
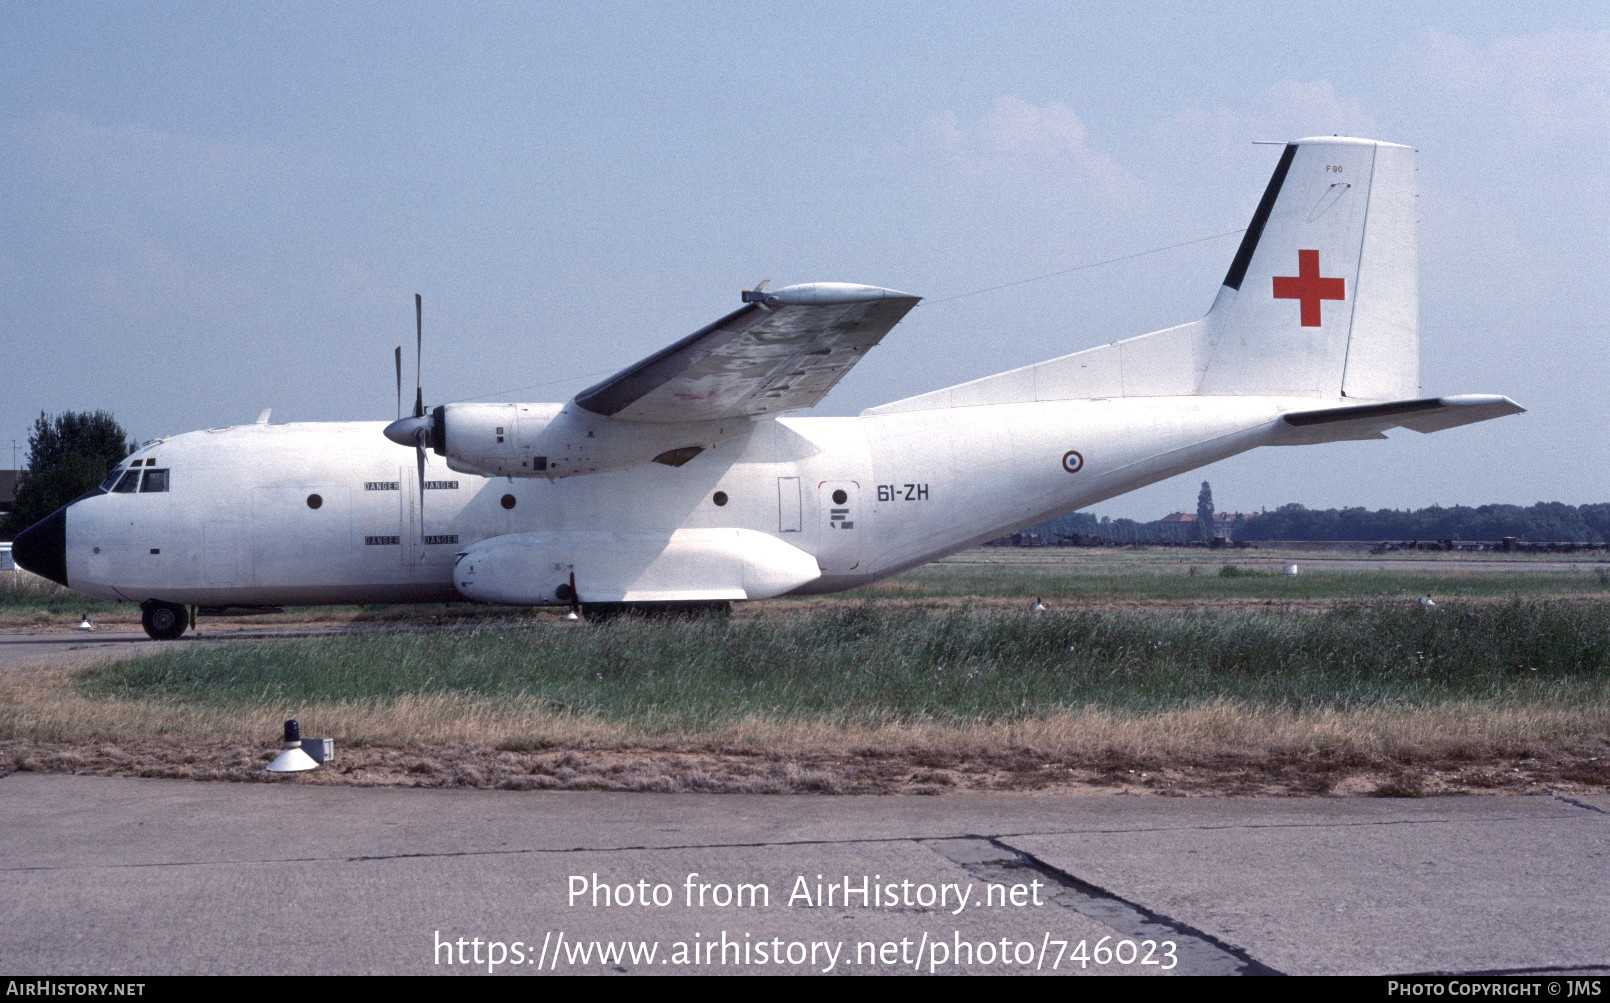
[[782, 352]]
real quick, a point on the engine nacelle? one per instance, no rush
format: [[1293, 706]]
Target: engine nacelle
[[562, 440], [712, 565]]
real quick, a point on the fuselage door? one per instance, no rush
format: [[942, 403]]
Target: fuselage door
[[840, 527], [221, 553], [788, 505]]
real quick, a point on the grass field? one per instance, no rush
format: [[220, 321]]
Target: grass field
[[866, 665], [1142, 673]]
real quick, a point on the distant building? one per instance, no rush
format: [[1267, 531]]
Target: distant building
[[1183, 524], [1219, 518]]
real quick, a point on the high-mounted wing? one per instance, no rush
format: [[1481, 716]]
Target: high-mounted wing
[[782, 351]]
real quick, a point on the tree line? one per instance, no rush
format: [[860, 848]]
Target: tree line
[[1542, 522]]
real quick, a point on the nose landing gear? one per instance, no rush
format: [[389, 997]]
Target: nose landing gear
[[163, 621]]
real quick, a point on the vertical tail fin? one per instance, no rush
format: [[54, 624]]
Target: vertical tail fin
[[1322, 298]]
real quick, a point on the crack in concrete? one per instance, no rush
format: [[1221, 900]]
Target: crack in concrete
[[1199, 952], [1468, 973], [1581, 804], [756, 844], [739, 846], [534, 851]]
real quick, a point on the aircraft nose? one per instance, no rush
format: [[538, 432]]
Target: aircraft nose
[[42, 547]]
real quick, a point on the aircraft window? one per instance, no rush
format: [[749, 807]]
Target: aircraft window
[[720, 498], [155, 480], [508, 501], [314, 501], [130, 481], [839, 497], [111, 479]]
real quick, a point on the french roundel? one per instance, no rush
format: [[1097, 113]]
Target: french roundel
[[1072, 461]]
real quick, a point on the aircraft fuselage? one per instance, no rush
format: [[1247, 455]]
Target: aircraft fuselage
[[329, 512]]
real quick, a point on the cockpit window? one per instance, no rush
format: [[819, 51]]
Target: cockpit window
[[155, 480], [130, 482], [111, 479]]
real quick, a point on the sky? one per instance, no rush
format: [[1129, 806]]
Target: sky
[[209, 209]]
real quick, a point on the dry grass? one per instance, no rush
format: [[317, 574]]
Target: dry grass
[[520, 743], [41, 703]]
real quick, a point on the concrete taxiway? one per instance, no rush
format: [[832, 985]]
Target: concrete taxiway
[[56, 646], [112, 875]]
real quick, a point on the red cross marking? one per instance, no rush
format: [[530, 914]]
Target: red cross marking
[[1308, 288]]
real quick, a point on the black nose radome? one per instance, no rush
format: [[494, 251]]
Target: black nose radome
[[42, 547]]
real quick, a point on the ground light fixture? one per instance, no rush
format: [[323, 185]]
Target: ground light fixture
[[291, 758]]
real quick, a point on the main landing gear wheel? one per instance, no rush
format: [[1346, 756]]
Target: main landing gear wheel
[[163, 621]]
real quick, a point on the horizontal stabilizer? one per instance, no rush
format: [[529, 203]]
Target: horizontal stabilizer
[[1370, 421]]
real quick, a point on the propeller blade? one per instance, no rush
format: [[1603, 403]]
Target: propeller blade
[[419, 363], [398, 356]]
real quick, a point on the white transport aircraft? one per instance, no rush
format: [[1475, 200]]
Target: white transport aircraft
[[680, 480]]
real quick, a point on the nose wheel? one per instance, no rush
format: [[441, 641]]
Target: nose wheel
[[163, 621]]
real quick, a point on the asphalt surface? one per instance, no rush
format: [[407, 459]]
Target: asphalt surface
[[131, 876], [57, 646]]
